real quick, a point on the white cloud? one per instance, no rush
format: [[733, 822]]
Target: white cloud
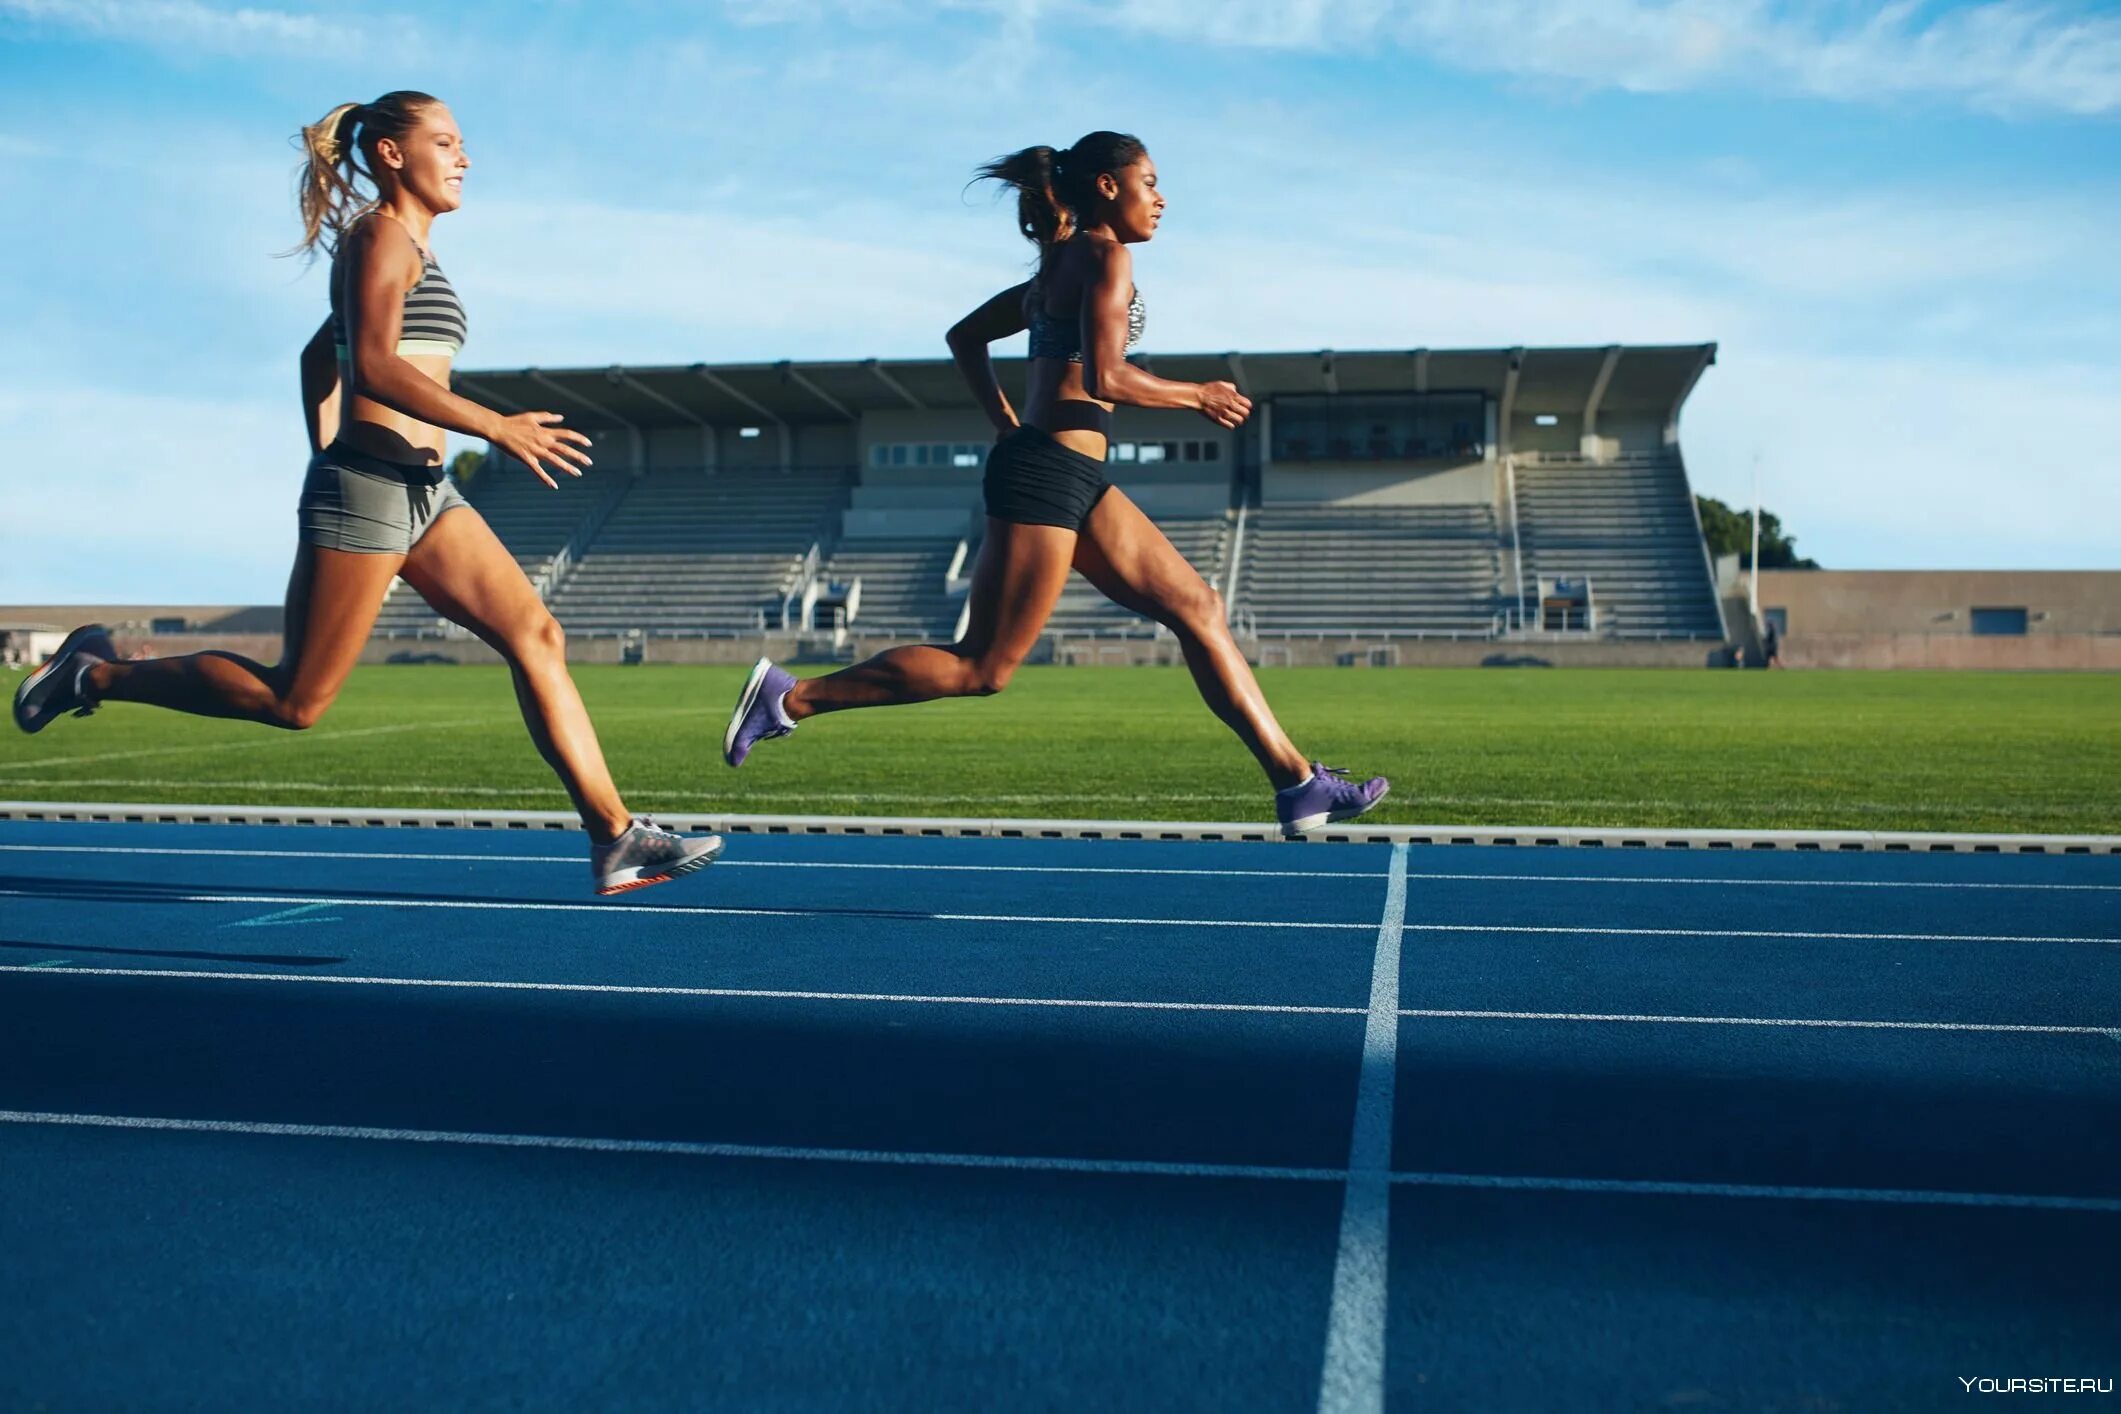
[[188, 24], [2009, 55]]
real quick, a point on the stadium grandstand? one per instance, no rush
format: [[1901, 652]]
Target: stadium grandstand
[[1375, 499]]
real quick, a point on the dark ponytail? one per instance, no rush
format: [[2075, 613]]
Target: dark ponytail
[[1056, 187]]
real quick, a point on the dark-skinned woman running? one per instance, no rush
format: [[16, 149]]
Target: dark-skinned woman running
[[376, 504], [1049, 507]]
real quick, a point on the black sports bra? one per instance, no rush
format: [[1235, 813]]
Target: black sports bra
[[1063, 338]]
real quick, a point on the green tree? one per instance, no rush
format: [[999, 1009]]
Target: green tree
[[465, 465], [1730, 532]]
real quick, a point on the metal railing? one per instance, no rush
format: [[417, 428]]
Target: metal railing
[[799, 595], [1236, 563]]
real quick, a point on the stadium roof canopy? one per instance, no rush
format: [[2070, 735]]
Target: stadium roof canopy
[[1635, 378]]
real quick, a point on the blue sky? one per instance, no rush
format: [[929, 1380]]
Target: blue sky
[[1897, 220]]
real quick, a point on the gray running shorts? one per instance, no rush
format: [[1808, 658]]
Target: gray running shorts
[[354, 501]]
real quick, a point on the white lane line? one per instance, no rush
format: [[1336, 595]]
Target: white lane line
[[1989, 1027], [681, 910], [1353, 1375], [1576, 930], [1726, 881], [685, 1147], [576, 861], [621, 989], [1720, 881], [1046, 1164], [694, 910], [1663, 1188]]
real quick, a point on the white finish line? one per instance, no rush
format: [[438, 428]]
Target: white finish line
[[1352, 1380]]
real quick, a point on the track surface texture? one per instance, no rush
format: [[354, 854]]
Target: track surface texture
[[352, 1118]]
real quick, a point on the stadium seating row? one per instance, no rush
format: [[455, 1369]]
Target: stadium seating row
[[683, 551]]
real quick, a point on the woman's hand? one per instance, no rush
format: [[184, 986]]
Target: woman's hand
[[1222, 403], [536, 439]]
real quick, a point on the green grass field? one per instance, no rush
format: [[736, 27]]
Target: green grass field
[[1931, 751]]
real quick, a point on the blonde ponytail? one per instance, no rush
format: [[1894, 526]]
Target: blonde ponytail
[[337, 151]]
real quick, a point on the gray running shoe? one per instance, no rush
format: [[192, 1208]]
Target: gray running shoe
[[648, 854], [56, 688]]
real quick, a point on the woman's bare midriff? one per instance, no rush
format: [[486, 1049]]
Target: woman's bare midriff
[[1054, 380], [387, 433]]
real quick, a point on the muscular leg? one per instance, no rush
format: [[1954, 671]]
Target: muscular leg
[[461, 568], [332, 599], [1133, 564], [1021, 571]]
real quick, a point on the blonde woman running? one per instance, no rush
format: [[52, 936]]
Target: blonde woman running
[[376, 503]]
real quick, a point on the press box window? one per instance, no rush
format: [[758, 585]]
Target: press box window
[[1999, 621]]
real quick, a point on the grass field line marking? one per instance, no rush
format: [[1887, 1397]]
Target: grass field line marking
[[251, 743], [625, 989], [1352, 1379], [575, 859], [684, 910], [1985, 1027], [1525, 1183]]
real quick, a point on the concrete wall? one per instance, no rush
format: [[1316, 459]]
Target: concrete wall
[[1938, 602], [1566, 435], [1372, 484], [2052, 652]]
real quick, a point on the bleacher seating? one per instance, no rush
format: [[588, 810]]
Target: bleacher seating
[[686, 551], [682, 551], [1629, 527], [1370, 569], [532, 519], [904, 593]]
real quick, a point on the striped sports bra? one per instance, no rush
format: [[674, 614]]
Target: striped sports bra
[[1063, 338], [433, 322]]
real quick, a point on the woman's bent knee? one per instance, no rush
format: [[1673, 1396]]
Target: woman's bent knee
[[540, 640], [298, 714], [1200, 614], [984, 677]]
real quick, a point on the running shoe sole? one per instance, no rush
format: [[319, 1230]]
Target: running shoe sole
[[629, 879], [748, 696], [29, 684], [1303, 824]]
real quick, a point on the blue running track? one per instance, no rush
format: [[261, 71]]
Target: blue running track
[[366, 1119]]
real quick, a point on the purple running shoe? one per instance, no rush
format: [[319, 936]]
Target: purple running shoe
[[56, 689], [1329, 796], [758, 716]]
